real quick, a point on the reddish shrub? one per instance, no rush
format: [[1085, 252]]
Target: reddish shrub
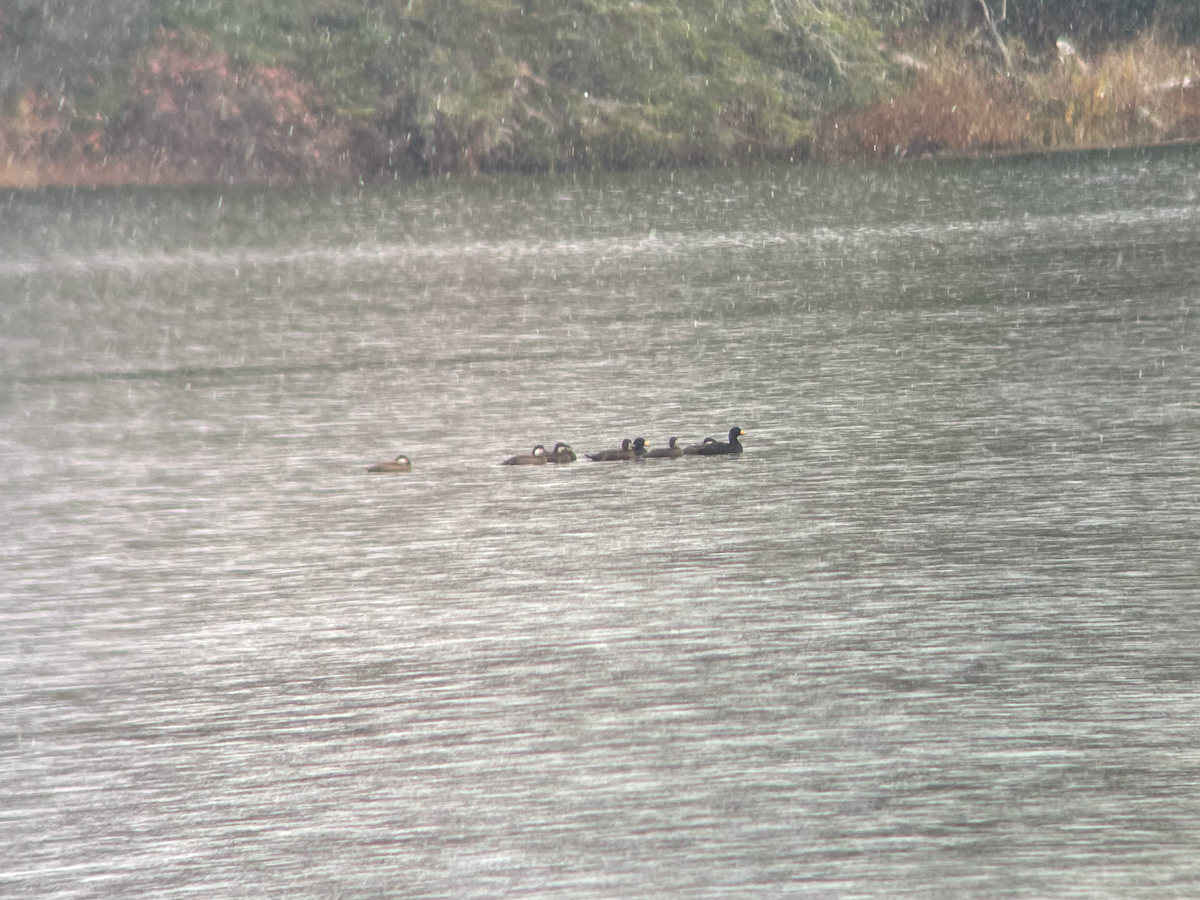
[[193, 111]]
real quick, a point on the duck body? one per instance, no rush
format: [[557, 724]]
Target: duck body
[[537, 457], [562, 453], [613, 455], [671, 451], [694, 449], [399, 464], [722, 448]]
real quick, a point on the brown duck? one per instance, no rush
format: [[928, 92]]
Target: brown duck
[[399, 464], [537, 457]]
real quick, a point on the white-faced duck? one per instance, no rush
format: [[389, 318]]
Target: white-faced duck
[[536, 458], [399, 464], [562, 453]]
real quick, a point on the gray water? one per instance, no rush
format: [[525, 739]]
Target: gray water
[[933, 635]]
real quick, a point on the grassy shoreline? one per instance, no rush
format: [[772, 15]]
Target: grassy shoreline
[[30, 176], [946, 98]]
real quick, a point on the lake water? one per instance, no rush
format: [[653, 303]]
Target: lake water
[[934, 635]]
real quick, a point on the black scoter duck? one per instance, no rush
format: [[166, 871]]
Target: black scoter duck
[[719, 448], [694, 449]]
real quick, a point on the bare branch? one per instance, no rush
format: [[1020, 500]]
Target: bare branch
[[995, 33]]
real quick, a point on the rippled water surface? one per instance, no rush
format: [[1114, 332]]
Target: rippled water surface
[[933, 635]]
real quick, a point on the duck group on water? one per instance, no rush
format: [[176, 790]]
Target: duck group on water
[[634, 449]]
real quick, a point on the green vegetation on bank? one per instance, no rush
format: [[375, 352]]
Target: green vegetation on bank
[[284, 89]]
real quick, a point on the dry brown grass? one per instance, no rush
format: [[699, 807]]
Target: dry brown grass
[[84, 172], [1144, 92]]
